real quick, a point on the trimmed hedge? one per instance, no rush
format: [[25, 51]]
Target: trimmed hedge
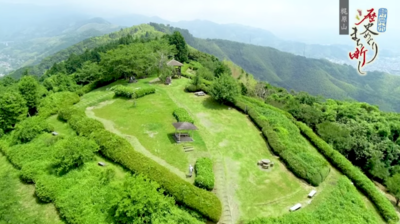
[[182, 115], [143, 92], [286, 140], [127, 92], [360, 180], [120, 150], [122, 91], [204, 174]]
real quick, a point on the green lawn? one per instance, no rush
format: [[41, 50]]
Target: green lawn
[[225, 135]]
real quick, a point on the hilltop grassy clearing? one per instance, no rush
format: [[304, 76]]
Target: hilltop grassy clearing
[[225, 135]]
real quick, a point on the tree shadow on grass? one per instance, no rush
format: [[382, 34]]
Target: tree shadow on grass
[[210, 103]]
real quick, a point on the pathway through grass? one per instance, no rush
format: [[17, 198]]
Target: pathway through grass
[[227, 136]]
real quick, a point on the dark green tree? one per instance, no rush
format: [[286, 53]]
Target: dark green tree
[[393, 186], [225, 89], [13, 109], [182, 50], [30, 90]]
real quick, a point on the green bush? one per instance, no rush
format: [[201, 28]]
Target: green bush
[[66, 113], [204, 174], [83, 125], [73, 152], [29, 128], [359, 179], [285, 140], [53, 103], [143, 92], [119, 150], [122, 91], [182, 115]]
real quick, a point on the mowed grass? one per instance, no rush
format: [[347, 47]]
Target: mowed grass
[[18, 203], [150, 119], [223, 134]]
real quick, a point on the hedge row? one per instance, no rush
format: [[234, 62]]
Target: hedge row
[[143, 92], [182, 115], [122, 91], [285, 140], [204, 174], [359, 179], [119, 150]]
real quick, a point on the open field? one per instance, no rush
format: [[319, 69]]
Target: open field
[[224, 134]]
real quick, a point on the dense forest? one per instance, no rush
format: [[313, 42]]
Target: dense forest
[[363, 134]]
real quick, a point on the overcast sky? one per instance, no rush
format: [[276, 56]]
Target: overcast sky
[[306, 20]]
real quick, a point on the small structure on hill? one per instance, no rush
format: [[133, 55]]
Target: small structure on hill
[[168, 80], [265, 163], [200, 93], [295, 207], [101, 164], [312, 193], [182, 131], [54, 133], [132, 79], [177, 67]]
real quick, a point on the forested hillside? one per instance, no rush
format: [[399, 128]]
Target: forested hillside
[[149, 186], [317, 77]]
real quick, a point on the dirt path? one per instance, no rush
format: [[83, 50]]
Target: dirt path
[[110, 126]]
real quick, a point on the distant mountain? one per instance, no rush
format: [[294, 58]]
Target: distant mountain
[[315, 76], [31, 51], [388, 60]]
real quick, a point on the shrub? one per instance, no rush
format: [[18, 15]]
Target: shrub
[[120, 150], [359, 179], [224, 89], [73, 152], [122, 91], [29, 128], [204, 174], [83, 125], [53, 103], [182, 115], [65, 114], [192, 88], [143, 92]]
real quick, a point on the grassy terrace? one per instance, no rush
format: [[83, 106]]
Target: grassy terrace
[[225, 135]]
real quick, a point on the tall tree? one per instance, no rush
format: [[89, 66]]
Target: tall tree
[[12, 109], [30, 90], [225, 89], [182, 50]]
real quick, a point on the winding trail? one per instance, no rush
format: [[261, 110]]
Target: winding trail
[[110, 126]]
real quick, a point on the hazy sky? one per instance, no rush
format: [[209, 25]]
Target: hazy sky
[[306, 20]]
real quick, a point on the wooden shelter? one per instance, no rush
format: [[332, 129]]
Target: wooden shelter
[[182, 131], [177, 67]]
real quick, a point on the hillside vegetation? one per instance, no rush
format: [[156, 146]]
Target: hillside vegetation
[[151, 188], [315, 76]]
